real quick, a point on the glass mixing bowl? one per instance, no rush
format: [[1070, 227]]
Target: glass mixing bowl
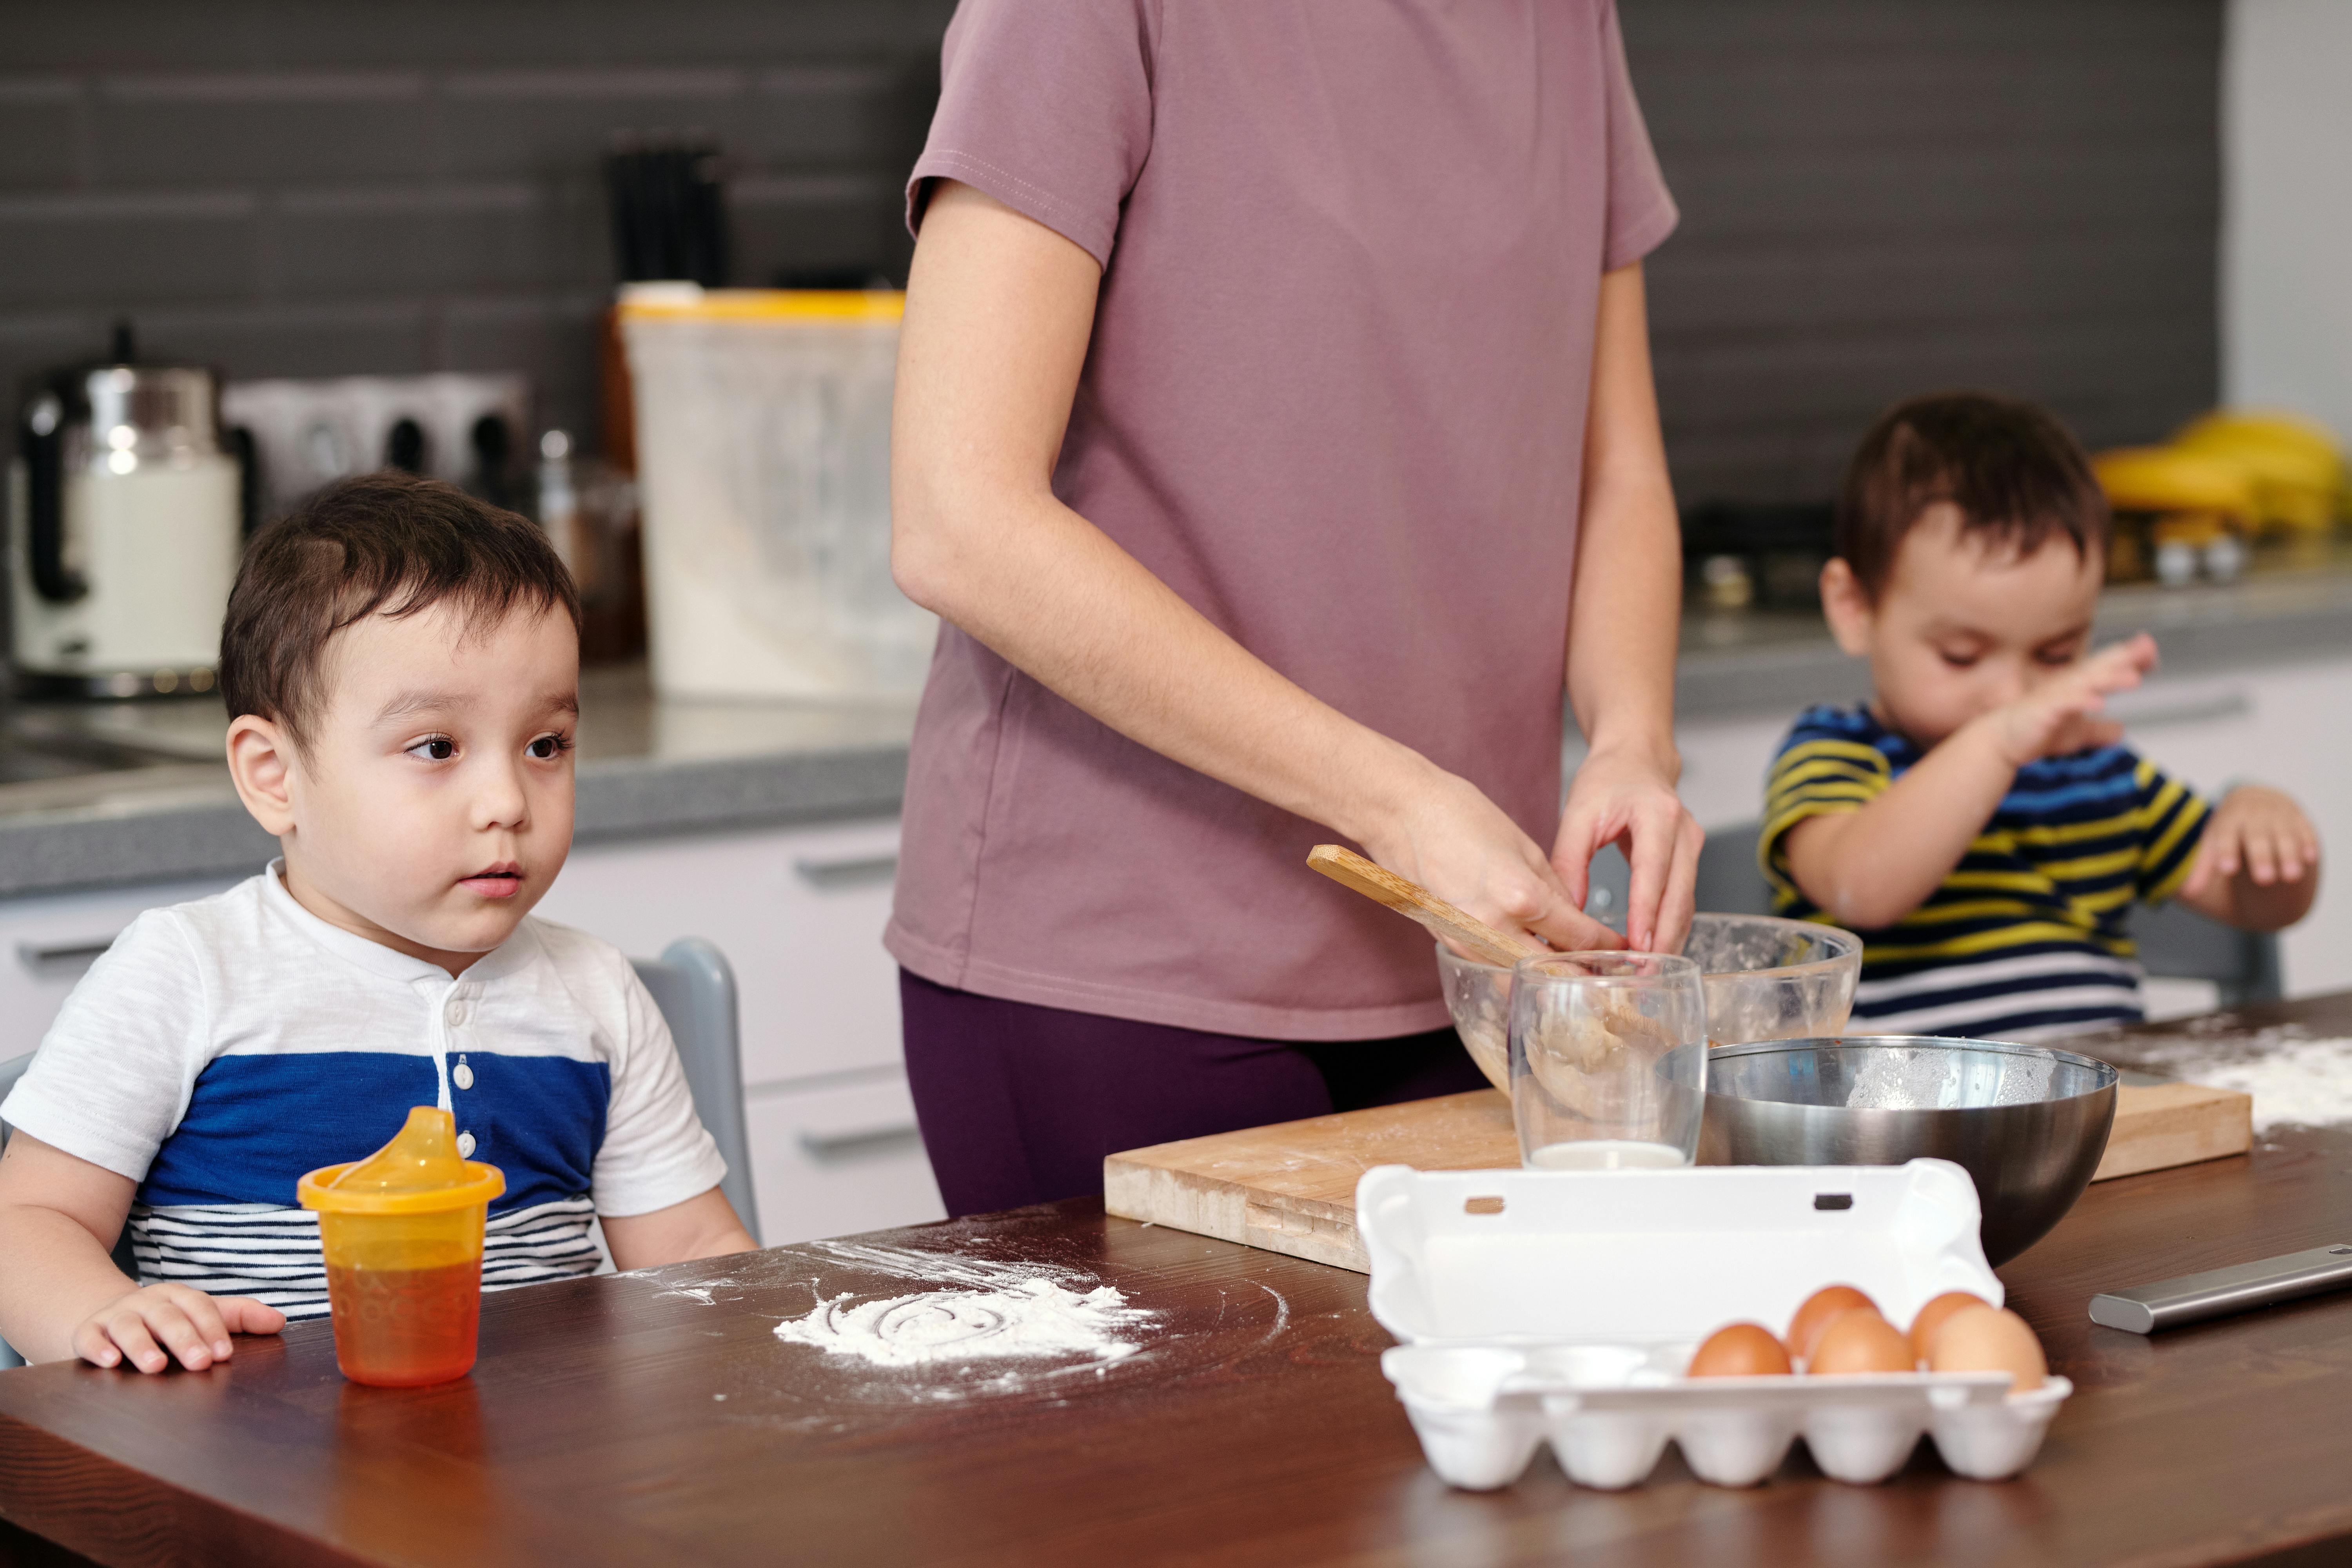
[[1765, 978]]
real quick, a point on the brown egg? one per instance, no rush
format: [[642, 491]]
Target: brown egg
[[1859, 1340], [1989, 1339], [1820, 1307], [1739, 1350], [1931, 1317]]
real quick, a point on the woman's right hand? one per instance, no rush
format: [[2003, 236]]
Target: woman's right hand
[[1460, 846]]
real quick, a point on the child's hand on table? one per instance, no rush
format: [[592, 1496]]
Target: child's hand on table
[[150, 1325], [2060, 715], [2259, 831]]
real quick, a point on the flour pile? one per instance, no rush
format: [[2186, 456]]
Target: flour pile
[[2302, 1083], [990, 1310]]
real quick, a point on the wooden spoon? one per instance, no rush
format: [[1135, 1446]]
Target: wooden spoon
[[1416, 903]]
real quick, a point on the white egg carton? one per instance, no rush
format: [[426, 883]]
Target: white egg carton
[[1564, 1305]]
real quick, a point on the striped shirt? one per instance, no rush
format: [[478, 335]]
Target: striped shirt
[[2025, 938], [222, 1048]]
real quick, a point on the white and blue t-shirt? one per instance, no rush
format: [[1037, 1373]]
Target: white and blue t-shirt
[[222, 1048]]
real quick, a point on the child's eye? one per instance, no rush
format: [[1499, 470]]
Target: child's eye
[[1959, 661], [2056, 657], [435, 749], [547, 748]]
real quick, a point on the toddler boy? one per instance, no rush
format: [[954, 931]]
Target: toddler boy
[[400, 663], [1978, 822]]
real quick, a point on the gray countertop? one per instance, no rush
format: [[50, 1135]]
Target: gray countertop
[[650, 767], [1744, 663]]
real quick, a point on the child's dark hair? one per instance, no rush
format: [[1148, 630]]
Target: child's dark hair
[[384, 543], [2018, 478]]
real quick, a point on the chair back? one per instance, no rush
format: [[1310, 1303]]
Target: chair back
[[695, 989]]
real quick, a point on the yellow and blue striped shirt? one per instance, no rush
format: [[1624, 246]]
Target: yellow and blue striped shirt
[[2025, 937]]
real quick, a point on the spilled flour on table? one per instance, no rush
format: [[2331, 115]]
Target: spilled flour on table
[[988, 1311], [2296, 1081], [2306, 1083]]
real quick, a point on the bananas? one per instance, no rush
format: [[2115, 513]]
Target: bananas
[[2257, 470]]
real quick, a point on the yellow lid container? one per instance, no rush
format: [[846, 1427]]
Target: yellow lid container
[[402, 1231]]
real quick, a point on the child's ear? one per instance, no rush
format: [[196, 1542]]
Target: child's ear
[[1846, 607], [261, 760]]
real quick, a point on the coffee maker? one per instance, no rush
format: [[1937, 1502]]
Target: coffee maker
[[126, 517]]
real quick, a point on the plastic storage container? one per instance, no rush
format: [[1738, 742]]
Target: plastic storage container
[[1562, 1306], [764, 470], [402, 1234]]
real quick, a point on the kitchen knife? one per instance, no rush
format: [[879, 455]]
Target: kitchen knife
[[2217, 1292]]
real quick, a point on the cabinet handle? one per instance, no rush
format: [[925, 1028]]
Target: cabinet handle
[[857, 871], [859, 1141], [2183, 711], [73, 956]]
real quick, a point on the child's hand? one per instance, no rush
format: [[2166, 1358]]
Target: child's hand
[[2259, 831], [2059, 716], [190, 1324]]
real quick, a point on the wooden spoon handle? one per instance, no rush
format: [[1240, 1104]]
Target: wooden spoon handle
[[1414, 901]]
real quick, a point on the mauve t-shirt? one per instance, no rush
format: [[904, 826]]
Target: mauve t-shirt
[[1335, 398]]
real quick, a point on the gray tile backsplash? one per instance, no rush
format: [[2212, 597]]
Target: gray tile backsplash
[[1878, 197]]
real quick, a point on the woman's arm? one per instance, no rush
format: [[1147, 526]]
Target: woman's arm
[[998, 312], [1623, 621]]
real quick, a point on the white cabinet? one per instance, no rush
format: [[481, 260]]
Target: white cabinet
[[799, 913], [828, 1159], [46, 944]]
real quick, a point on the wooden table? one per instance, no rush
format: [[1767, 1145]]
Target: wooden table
[[655, 1419]]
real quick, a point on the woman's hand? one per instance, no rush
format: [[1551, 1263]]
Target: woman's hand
[[1627, 798], [148, 1327], [1460, 846]]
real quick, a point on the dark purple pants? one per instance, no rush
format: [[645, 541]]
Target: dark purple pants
[[1019, 1103]]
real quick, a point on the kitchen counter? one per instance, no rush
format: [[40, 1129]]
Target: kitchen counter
[[654, 1417], [1741, 662], [648, 767]]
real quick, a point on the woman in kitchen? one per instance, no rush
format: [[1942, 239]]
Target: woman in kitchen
[[1275, 438]]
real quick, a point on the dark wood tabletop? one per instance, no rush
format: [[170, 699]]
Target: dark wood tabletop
[[658, 1418]]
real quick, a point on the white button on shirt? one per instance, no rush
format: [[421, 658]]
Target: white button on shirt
[[466, 1145], [454, 1014], [462, 1076]]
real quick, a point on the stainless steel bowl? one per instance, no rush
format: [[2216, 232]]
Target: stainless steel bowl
[[2028, 1122]]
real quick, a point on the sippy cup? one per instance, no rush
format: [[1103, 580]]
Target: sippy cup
[[403, 1235]]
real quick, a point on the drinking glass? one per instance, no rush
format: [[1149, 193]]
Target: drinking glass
[[1608, 1059]]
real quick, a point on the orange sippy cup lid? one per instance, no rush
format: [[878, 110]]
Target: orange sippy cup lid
[[419, 1172]]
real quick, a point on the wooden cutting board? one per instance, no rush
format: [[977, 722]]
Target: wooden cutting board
[[1291, 1187]]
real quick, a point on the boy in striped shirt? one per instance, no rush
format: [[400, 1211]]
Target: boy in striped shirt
[[1978, 822], [401, 668]]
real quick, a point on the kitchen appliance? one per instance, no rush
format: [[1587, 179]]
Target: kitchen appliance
[[460, 427], [2028, 1122], [125, 518]]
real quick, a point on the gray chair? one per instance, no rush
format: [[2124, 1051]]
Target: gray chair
[[695, 989], [2175, 942]]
